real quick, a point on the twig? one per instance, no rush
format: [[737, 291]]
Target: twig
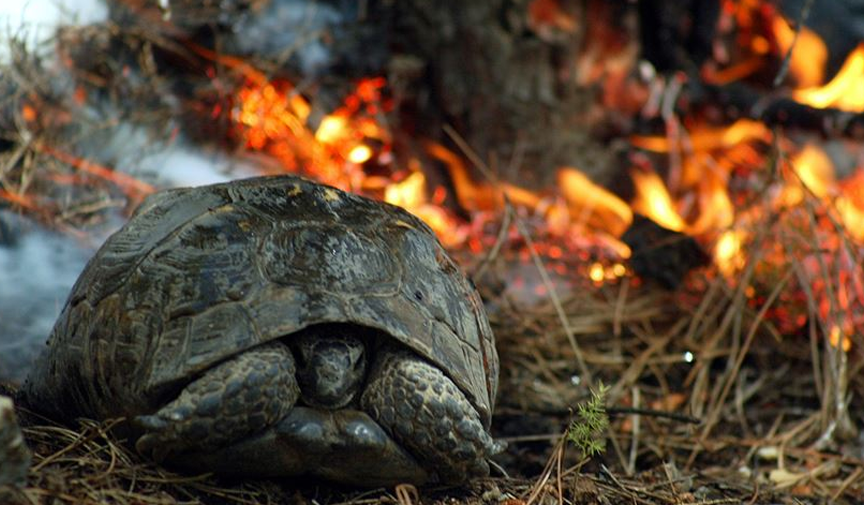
[[799, 25], [529, 242], [683, 418], [406, 494], [500, 240], [714, 414], [637, 424], [556, 302], [544, 477], [81, 439]]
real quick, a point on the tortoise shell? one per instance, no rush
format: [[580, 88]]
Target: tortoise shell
[[201, 274]]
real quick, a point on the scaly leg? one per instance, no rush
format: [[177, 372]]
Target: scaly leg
[[423, 410], [234, 399]]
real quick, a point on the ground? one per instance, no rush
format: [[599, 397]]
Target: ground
[[754, 442]]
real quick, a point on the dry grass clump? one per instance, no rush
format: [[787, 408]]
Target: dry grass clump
[[700, 379], [86, 463]]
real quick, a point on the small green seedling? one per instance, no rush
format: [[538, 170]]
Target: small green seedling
[[588, 430]]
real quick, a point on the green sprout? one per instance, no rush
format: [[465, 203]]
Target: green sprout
[[587, 431]]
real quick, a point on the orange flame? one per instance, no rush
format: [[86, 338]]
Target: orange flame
[[706, 138], [587, 200], [729, 253], [845, 91], [808, 56], [813, 171], [410, 194], [653, 200], [716, 211], [850, 205], [274, 117]]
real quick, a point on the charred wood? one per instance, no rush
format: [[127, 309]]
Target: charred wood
[[677, 35], [737, 100], [661, 254]]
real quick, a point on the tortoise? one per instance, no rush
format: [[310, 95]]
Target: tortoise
[[274, 326]]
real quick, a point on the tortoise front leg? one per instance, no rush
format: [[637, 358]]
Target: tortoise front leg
[[232, 400], [425, 411]]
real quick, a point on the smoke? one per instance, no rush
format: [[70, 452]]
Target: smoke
[[37, 270], [34, 21]]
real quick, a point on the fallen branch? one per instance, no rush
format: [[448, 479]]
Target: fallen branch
[[737, 99]]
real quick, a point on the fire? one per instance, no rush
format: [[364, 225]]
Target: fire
[[802, 199], [708, 138], [410, 194], [701, 202], [590, 203], [653, 200], [716, 211], [729, 253], [360, 154], [845, 91], [332, 129], [835, 335], [813, 172], [850, 205], [274, 117], [808, 56]]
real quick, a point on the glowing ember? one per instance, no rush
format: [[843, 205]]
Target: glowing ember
[[596, 273], [28, 113], [600, 273], [331, 129], [728, 253], [360, 154], [835, 335], [273, 117]]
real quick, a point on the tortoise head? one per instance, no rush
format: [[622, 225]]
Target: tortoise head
[[331, 365]]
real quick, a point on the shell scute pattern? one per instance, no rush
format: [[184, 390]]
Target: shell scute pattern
[[201, 274], [335, 257]]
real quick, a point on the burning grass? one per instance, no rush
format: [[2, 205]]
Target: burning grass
[[742, 384]]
